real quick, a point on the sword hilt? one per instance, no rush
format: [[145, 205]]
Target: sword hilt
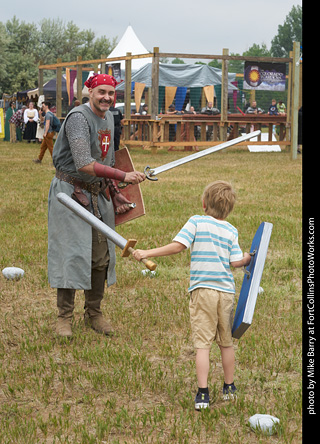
[[122, 185], [129, 249], [149, 173]]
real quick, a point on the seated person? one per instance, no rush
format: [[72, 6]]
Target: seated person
[[210, 109], [273, 110], [254, 109], [281, 108]]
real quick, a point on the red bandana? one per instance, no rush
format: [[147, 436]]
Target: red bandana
[[100, 79]]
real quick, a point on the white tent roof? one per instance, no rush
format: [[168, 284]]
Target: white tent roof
[[129, 42]]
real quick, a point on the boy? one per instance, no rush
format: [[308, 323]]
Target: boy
[[273, 110], [214, 247]]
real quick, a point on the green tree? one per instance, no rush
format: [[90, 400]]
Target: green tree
[[19, 56], [289, 32], [23, 45]]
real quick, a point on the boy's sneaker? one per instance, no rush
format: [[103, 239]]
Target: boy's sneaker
[[229, 391], [202, 401]]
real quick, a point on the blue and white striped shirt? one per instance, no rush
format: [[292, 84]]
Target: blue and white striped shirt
[[213, 244]]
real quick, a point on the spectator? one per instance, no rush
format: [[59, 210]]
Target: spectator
[[254, 109], [31, 117], [281, 108], [144, 110], [210, 109], [47, 142], [273, 110], [118, 123], [7, 130], [40, 126], [17, 121]]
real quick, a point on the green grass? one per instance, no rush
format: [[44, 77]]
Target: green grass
[[139, 386]]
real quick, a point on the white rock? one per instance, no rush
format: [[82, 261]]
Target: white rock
[[265, 423], [13, 273], [150, 273], [261, 290]]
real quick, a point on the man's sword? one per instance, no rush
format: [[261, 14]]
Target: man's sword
[[152, 172], [125, 245]]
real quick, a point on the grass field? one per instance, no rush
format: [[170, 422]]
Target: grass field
[[139, 386]]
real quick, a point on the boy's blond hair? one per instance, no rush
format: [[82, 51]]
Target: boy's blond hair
[[219, 198]]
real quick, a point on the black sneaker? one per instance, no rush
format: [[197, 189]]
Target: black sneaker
[[229, 391], [202, 401]]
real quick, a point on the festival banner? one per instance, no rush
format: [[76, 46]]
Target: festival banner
[[180, 97], [209, 93], [71, 75], [138, 90], [1, 124], [265, 76], [170, 93]]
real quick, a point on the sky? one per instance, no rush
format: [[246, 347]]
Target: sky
[[181, 26]]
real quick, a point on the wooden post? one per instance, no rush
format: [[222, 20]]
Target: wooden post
[[59, 90], [155, 84], [127, 95], [295, 98], [224, 96], [103, 65], [40, 79], [79, 80]]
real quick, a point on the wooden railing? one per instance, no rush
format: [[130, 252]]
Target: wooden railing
[[194, 131]]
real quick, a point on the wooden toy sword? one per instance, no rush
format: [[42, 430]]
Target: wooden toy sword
[[125, 245]]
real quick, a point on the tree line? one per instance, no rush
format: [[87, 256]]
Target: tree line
[[23, 45]]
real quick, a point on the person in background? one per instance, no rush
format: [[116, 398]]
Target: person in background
[[273, 110], [281, 108], [254, 109], [17, 120], [214, 249], [13, 128], [31, 117], [7, 130], [48, 133], [118, 122], [40, 126]]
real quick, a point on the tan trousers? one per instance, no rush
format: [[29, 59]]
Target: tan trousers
[[47, 143], [13, 132]]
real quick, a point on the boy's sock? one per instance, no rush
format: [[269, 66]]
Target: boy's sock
[[225, 385], [203, 390]]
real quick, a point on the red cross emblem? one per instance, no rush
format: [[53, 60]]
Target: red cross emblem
[[104, 139]]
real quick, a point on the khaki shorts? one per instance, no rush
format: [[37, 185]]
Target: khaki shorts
[[211, 316]]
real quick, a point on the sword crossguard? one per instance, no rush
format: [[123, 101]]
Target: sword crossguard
[[149, 173]]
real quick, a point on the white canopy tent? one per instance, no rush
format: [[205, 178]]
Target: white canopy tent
[[129, 42]]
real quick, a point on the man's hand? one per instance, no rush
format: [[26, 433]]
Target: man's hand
[[120, 203], [134, 177]]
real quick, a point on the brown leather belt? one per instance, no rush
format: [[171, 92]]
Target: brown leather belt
[[93, 188]]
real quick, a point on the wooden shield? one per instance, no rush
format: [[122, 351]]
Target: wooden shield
[[251, 281], [131, 192]]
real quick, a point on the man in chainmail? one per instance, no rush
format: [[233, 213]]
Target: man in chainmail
[[79, 257]]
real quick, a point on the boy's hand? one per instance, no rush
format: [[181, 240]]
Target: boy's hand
[[139, 254], [246, 259]]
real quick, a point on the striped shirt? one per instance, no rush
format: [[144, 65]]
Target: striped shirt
[[213, 244]]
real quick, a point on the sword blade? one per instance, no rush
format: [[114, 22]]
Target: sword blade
[[152, 172], [92, 220]]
